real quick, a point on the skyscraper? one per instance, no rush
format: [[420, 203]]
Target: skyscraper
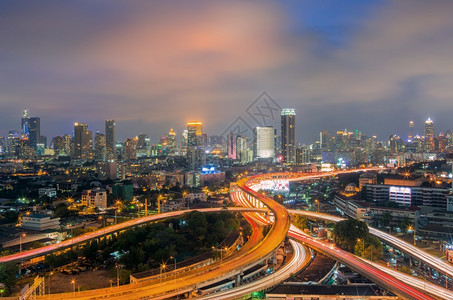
[[196, 157], [100, 151], [83, 141], [288, 123], [194, 134], [411, 131], [429, 128], [110, 139], [31, 129], [263, 142], [171, 141], [429, 135], [232, 146]]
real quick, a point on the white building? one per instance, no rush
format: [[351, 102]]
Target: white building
[[95, 198], [40, 222], [264, 141], [47, 191]]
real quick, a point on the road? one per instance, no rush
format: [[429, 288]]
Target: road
[[396, 286], [301, 257], [423, 256], [24, 255]]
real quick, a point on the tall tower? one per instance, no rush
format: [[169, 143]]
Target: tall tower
[[429, 128], [34, 133], [24, 127], [83, 141], [171, 141], [263, 142], [110, 139], [411, 131], [288, 122], [196, 157], [99, 147]]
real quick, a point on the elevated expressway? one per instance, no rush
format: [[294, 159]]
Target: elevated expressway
[[24, 255], [227, 269], [404, 289]]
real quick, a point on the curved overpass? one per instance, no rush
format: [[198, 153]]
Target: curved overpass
[[396, 286], [423, 256], [109, 230]]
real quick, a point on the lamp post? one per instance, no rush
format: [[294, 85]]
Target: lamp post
[[410, 227], [50, 274], [363, 246], [117, 275], [20, 241], [73, 286], [171, 257], [162, 267], [317, 202]]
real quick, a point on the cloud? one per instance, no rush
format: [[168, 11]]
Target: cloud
[[158, 65]]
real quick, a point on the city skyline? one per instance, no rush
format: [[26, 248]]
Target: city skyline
[[350, 65]]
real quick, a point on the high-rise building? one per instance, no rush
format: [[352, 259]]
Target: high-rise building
[[130, 148], [429, 128], [31, 129], [411, 131], [100, 151], [263, 142], [323, 139], [429, 135], [83, 142], [232, 146], [34, 133], [194, 134], [171, 141], [110, 139], [196, 156], [288, 136]]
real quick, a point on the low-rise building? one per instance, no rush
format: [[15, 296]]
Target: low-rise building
[[47, 191], [95, 198], [40, 222]]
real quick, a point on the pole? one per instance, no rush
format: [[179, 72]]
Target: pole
[[146, 207], [117, 276]]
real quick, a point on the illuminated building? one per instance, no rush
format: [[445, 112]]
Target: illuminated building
[[130, 148], [171, 141], [323, 139], [232, 146], [288, 123], [196, 157], [411, 131], [302, 155], [100, 147], [95, 198], [31, 129], [429, 128], [83, 141], [263, 142], [110, 139]]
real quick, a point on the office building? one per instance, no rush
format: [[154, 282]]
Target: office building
[[263, 142], [171, 141], [100, 151], [95, 198], [411, 131], [110, 139], [288, 135], [83, 141], [196, 157]]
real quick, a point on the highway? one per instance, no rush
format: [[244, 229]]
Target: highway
[[301, 258], [396, 286], [420, 255], [24, 255], [229, 268]]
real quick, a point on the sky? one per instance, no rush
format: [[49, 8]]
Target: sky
[[154, 65]]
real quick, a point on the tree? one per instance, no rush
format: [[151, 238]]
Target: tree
[[405, 269], [346, 233], [300, 221], [387, 220], [8, 274]]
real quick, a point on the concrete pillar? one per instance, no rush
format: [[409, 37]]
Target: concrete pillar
[[238, 279]]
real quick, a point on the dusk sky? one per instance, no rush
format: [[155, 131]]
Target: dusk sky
[[154, 65]]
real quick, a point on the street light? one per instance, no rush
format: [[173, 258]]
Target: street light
[[117, 275], [410, 227], [162, 266], [50, 274], [316, 201], [73, 285], [20, 241], [171, 257], [363, 246]]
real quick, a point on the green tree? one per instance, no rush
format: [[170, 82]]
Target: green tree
[[8, 274], [387, 220], [300, 221], [346, 233], [405, 269]]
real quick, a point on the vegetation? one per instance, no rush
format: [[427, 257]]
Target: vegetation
[[353, 235], [8, 277], [145, 247], [9, 217]]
